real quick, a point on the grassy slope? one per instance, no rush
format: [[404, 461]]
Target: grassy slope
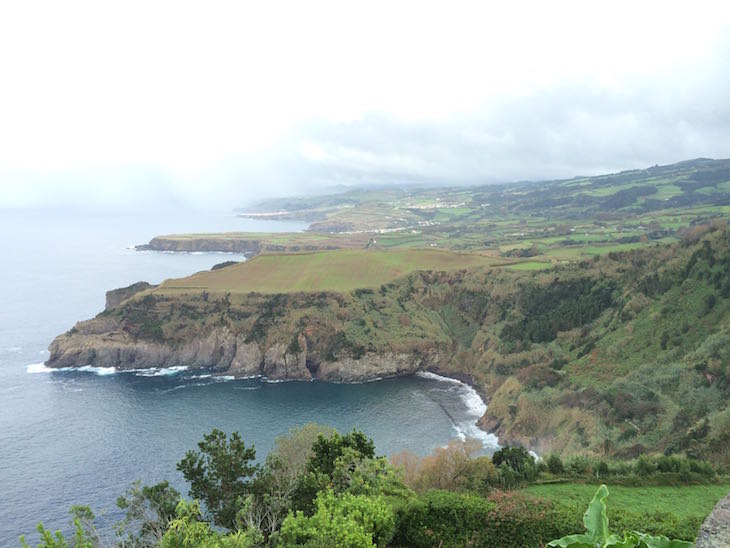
[[289, 239], [644, 376], [687, 500], [343, 270]]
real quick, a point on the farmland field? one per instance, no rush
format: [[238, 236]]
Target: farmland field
[[684, 501], [342, 270]]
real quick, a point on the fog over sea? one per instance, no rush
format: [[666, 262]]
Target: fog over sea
[[82, 437]]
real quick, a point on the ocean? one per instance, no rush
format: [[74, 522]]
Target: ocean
[[83, 436]]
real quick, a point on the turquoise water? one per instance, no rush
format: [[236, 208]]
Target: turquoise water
[[82, 437]]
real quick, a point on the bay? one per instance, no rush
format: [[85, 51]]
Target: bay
[[82, 437]]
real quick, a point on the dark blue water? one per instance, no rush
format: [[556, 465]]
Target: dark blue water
[[81, 438]]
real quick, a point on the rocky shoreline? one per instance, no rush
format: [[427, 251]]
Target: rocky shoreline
[[244, 243], [278, 337], [247, 247], [103, 342]]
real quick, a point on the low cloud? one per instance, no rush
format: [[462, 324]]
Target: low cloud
[[264, 105]]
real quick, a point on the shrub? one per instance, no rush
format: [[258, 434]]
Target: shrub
[[519, 520], [344, 520], [555, 465], [441, 518], [504, 519], [519, 461]]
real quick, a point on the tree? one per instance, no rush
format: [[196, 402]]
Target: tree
[[295, 447], [278, 479], [454, 467], [346, 520], [555, 465], [445, 467], [322, 463], [85, 534], [188, 531], [149, 510], [356, 475], [325, 451], [515, 464], [220, 475], [516, 458]]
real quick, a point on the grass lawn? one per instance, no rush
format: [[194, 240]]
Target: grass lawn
[[342, 270], [687, 500]]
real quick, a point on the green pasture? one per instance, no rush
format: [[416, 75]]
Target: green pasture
[[342, 270], [684, 501]]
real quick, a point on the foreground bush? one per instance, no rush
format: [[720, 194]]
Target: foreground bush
[[522, 520], [353, 521], [441, 518]]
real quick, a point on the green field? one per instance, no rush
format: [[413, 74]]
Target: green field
[[342, 270], [529, 265], [287, 239], [685, 501]]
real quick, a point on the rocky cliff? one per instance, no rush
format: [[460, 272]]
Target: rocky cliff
[[251, 244], [116, 296], [102, 342], [212, 244]]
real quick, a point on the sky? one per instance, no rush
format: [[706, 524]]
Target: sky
[[218, 104]]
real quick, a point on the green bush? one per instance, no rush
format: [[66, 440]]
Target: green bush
[[348, 521], [555, 465], [441, 518], [504, 519], [522, 521]]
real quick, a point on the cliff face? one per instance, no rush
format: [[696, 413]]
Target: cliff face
[[161, 243], [104, 342], [252, 243], [116, 296]]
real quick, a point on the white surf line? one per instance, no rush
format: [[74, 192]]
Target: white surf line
[[475, 409]]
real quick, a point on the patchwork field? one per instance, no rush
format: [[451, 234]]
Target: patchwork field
[[567, 220]]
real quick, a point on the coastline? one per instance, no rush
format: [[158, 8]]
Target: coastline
[[475, 402]]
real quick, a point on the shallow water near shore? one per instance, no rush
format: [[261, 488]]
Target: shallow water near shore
[[82, 437]]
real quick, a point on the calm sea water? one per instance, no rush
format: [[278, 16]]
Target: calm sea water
[[82, 438]]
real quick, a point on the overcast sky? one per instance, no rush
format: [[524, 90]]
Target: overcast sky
[[220, 103]]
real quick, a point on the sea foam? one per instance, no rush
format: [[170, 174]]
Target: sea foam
[[475, 408], [41, 368], [157, 371], [101, 371]]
